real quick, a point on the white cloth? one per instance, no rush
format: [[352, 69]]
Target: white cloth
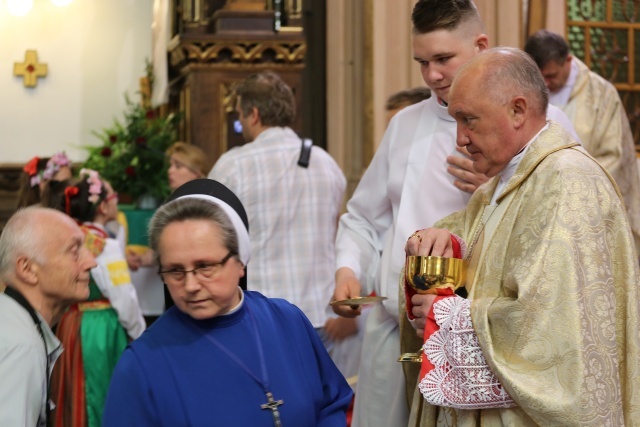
[[112, 278], [293, 213], [22, 366], [160, 35], [561, 97], [461, 377], [405, 188]]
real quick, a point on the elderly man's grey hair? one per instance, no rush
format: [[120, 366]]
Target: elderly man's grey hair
[[510, 72], [20, 237], [186, 209]]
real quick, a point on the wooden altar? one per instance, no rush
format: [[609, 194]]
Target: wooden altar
[[216, 46]]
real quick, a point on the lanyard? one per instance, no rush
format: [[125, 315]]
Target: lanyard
[[20, 299], [263, 380]]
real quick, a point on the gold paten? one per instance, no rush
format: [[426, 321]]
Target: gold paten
[[358, 301]]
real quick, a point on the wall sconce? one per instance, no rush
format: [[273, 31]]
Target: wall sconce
[[23, 7], [61, 3], [19, 7]]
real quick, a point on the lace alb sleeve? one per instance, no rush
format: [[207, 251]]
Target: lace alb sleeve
[[460, 377]]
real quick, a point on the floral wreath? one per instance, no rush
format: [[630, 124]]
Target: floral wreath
[[54, 164], [95, 188], [95, 184]]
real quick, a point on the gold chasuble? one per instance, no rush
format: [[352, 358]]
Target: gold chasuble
[[601, 122], [554, 300]]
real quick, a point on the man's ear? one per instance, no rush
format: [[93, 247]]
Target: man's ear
[[482, 42], [26, 271], [254, 117], [518, 110]]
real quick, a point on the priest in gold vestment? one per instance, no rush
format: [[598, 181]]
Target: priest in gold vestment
[[594, 107], [549, 333]]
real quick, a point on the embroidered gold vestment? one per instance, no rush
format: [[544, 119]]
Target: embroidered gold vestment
[[554, 300], [601, 122]]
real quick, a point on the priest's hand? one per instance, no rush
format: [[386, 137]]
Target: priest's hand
[[430, 242], [347, 286], [468, 179], [420, 306]]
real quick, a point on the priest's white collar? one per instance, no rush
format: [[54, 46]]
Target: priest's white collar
[[506, 174]]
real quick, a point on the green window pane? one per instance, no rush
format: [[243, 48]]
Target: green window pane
[[609, 56], [631, 101], [626, 11], [576, 42], [587, 10]]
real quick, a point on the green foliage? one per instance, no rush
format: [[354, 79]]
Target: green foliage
[[131, 156]]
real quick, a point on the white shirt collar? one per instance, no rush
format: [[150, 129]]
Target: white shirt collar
[[560, 98], [506, 174]]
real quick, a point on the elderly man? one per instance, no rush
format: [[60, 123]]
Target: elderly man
[[595, 109], [549, 333], [45, 266]]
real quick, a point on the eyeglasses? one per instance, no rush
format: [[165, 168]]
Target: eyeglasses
[[203, 273], [111, 196]]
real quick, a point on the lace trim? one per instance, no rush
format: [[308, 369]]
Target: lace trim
[[461, 377]]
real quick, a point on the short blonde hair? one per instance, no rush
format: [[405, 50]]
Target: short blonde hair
[[192, 156]]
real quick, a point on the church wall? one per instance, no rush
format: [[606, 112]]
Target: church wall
[[95, 51]]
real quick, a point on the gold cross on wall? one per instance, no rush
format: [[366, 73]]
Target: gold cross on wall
[[30, 69]]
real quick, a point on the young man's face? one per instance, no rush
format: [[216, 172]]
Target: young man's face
[[556, 74], [440, 53]]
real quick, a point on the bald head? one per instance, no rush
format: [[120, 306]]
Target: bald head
[[503, 73], [26, 233], [43, 256], [499, 101]]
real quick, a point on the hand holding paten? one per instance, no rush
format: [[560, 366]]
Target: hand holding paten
[[347, 286]]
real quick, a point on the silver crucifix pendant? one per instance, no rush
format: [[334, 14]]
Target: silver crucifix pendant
[[273, 405]]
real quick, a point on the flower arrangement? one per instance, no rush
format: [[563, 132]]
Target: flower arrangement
[[131, 156], [95, 185], [52, 167]]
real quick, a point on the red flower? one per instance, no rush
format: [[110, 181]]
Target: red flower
[[113, 138], [31, 168], [150, 114], [141, 141], [130, 171], [106, 152]]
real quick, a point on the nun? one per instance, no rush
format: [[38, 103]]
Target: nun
[[221, 356]]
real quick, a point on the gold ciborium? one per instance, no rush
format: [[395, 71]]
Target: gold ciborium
[[427, 274]]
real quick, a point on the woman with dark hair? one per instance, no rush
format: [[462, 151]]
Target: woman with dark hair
[[221, 356], [37, 173], [94, 333]]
